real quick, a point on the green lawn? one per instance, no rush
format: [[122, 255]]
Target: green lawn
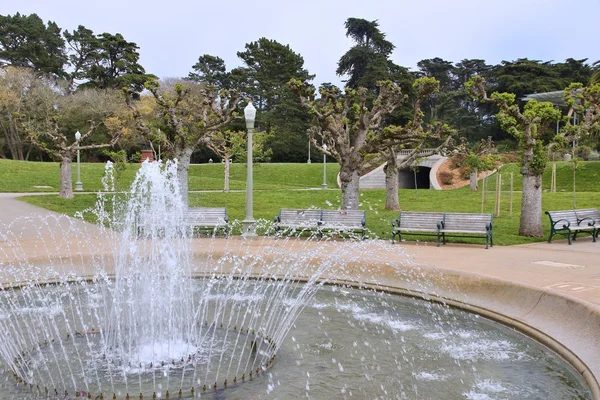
[[268, 202], [279, 186], [23, 176]]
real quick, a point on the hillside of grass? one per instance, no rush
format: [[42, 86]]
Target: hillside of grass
[[587, 177], [25, 177]]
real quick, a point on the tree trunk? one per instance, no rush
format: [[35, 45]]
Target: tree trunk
[[531, 206], [349, 175], [226, 188], [66, 180], [392, 201], [183, 165], [473, 180]]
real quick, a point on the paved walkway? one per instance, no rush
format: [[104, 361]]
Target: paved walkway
[[572, 270]]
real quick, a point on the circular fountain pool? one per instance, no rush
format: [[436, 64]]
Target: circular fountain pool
[[345, 343]]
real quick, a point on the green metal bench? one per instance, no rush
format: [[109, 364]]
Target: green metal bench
[[572, 222], [343, 221], [416, 223], [467, 225]]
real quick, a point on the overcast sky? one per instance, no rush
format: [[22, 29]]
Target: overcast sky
[[173, 34]]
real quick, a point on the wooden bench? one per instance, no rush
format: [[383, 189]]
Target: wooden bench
[[197, 219], [321, 220], [294, 220], [344, 221], [417, 223], [468, 225], [572, 222], [208, 219]]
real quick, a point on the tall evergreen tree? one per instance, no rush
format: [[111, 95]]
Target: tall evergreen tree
[[366, 63], [25, 41]]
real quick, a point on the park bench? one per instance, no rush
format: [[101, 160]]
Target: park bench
[[466, 225], [321, 220], [416, 223], [198, 219], [344, 221], [297, 220], [208, 219], [572, 222]]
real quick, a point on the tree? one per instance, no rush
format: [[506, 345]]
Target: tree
[[192, 113], [343, 124], [366, 63], [105, 61], [414, 134], [268, 67], [477, 158], [17, 85], [229, 144], [52, 124], [529, 127], [211, 70], [25, 41]]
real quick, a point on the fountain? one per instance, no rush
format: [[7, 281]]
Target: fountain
[[135, 311]]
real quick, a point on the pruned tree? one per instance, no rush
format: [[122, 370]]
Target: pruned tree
[[344, 122], [229, 144], [413, 135], [585, 102], [476, 158], [192, 113], [529, 127], [52, 125]]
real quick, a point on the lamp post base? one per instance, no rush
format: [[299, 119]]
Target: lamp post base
[[78, 187], [324, 186], [249, 229]]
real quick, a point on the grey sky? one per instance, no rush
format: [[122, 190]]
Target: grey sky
[[172, 34]]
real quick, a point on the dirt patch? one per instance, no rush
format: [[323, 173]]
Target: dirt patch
[[447, 172]]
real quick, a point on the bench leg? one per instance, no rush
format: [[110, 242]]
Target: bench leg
[[569, 237], [575, 235], [438, 239], [551, 234], [487, 240], [594, 234]]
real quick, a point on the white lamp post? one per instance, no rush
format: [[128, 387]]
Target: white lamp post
[[324, 185], [249, 224], [308, 162], [78, 184]]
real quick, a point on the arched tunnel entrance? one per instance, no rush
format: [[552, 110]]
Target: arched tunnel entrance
[[406, 179]]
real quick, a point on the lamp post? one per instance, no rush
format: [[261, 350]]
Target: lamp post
[[308, 162], [249, 224], [78, 184], [324, 185]]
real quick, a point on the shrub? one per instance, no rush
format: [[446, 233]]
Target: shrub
[[584, 152], [446, 177]]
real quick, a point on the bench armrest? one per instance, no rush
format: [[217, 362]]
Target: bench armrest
[[277, 219], [440, 225], [591, 220], [364, 222], [568, 224], [488, 226], [395, 223]]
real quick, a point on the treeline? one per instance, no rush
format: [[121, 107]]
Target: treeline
[[42, 54]]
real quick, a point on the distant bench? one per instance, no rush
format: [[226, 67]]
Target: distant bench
[[321, 220], [206, 219], [572, 222], [441, 225]]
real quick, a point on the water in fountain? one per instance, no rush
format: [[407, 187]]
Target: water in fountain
[[121, 316]]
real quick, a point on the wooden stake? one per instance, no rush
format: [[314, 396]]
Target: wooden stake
[[511, 192], [483, 193], [499, 194]]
